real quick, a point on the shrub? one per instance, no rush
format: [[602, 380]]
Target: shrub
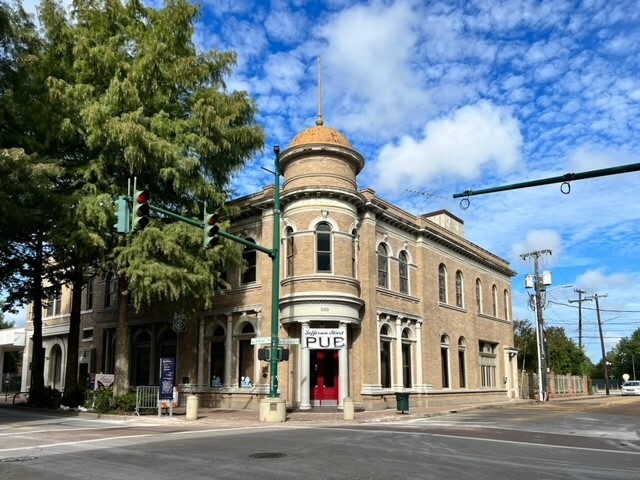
[[103, 401], [126, 403]]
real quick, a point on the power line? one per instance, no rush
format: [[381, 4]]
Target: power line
[[593, 309]]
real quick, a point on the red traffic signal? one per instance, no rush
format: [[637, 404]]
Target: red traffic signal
[[141, 209], [211, 229]]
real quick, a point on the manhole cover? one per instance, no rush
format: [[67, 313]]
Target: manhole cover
[[17, 459], [267, 455]]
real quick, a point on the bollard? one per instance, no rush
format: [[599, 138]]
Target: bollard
[[192, 407], [347, 408]]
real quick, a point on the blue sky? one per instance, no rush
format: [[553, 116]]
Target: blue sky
[[446, 96]]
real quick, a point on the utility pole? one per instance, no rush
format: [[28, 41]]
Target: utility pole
[[604, 358], [579, 301], [542, 344]]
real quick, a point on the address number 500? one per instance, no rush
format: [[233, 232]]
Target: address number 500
[[324, 309]]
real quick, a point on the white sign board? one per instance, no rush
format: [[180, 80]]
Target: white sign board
[[324, 338], [281, 341]]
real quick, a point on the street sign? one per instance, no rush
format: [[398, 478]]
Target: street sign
[[281, 341]]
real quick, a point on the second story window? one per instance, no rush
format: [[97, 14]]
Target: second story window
[[291, 251], [403, 265], [89, 295], [442, 283], [111, 290], [459, 289], [383, 266], [250, 262], [54, 305], [494, 300], [506, 305], [323, 247], [478, 296]]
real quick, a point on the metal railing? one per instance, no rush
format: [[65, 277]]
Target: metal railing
[[146, 398]]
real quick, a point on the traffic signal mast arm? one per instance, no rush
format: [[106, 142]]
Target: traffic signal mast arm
[[199, 224]]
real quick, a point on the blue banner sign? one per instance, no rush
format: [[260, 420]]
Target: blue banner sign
[[167, 377]]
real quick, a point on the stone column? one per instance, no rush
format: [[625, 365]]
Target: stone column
[[201, 352], [419, 369], [343, 369], [228, 380], [379, 347], [398, 380], [304, 373], [153, 368], [107, 351]]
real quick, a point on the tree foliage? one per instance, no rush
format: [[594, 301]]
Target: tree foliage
[[563, 355], [106, 92]]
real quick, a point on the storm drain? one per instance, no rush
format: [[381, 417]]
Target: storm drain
[[17, 459], [263, 455]]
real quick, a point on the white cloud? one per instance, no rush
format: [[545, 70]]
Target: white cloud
[[473, 138], [539, 240]]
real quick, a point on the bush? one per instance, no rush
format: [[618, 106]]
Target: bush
[[126, 403], [103, 401]]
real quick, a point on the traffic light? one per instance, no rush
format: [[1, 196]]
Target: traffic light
[[124, 212], [140, 217], [263, 354], [211, 229]]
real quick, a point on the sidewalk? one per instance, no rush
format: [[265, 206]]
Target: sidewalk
[[229, 418], [222, 417]]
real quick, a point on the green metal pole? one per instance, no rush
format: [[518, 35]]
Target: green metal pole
[[199, 224], [275, 281], [567, 177]]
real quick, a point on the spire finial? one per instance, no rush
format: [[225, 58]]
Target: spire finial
[[319, 120]]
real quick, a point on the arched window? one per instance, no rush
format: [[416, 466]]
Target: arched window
[[323, 247], [383, 266], [406, 358], [478, 296], [55, 367], [250, 262], [462, 364], [494, 300], [218, 350], [442, 283], [403, 272], [505, 298], [354, 254], [444, 360], [459, 290], [291, 251], [385, 357], [245, 355]]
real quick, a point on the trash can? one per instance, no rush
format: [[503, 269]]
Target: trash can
[[402, 401]]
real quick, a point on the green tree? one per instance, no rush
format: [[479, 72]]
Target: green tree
[[136, 98], [564, 356], [625, 357], [526, 343]]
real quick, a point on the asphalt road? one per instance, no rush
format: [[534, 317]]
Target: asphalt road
[[570, 440]]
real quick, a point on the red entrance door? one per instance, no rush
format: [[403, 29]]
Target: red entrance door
[[324, 377]]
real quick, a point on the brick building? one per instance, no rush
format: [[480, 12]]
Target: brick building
[[381, 301]]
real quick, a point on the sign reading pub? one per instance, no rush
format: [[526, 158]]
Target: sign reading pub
[[324, 338]]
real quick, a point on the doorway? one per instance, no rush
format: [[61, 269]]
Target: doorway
[[324, 378]]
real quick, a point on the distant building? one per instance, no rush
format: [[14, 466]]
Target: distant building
[[391, 302]]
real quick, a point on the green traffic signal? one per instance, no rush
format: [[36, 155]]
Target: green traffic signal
[[211, 229], [124, 212], [141, 209]]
